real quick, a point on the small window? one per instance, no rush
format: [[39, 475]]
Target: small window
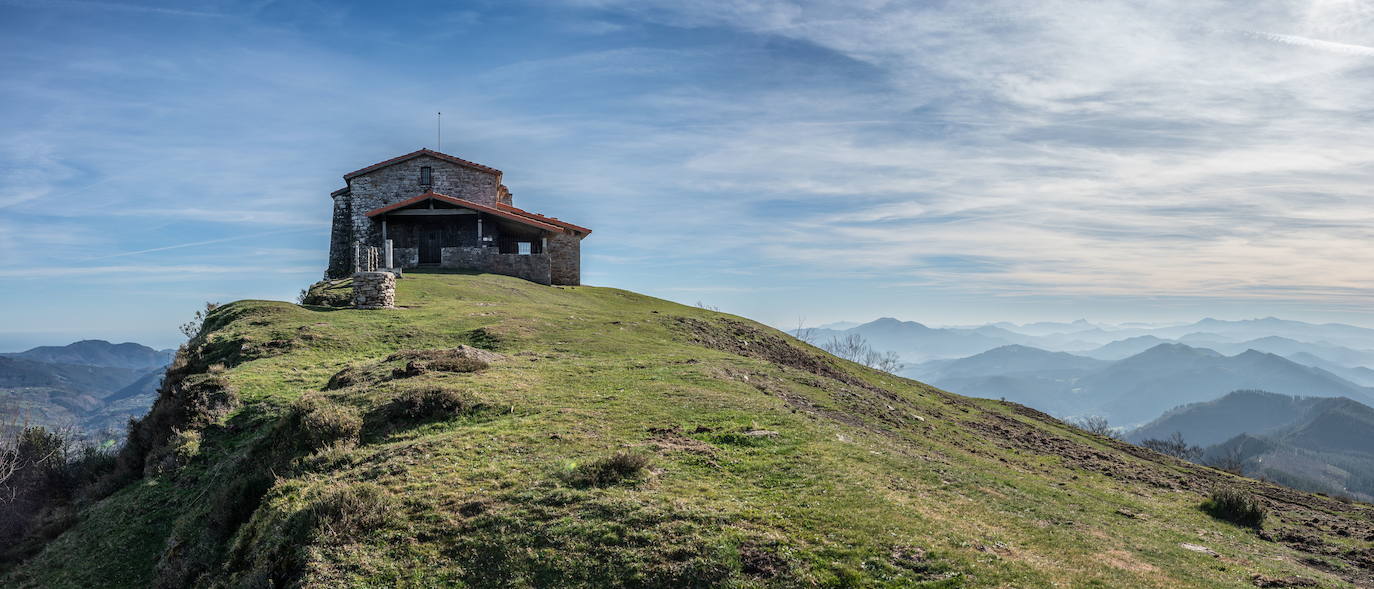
[[425, 175], [522, 248]]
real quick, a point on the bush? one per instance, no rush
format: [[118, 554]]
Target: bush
[[42, 472], [607, 471], [327, 293], [460, 359], [347, 512], [1236, 506], [435, 403], [321, 424]]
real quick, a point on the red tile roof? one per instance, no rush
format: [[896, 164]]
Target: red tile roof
[[414, 154], [467, 204], [551, 220]]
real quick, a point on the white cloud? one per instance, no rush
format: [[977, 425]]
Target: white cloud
[[1189, 148]]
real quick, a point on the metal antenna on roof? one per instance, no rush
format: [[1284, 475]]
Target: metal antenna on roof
[[440, 132]]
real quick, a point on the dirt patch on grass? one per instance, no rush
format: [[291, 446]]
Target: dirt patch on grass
[[738, 337], [410, 363], [672, 439], [1127, 562]]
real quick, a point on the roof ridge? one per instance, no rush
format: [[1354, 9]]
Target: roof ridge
[[417, 153]]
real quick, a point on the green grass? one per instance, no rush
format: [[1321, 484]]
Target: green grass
[[862, 479]]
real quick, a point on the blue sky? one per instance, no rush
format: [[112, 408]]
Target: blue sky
[[944, 162]]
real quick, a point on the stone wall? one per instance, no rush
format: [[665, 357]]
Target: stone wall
[[341, 239], [405, 257], [532, 267], [402, 181], [374, 290], [565, 259]]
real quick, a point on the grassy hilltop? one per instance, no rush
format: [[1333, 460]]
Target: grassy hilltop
[[593, 437]]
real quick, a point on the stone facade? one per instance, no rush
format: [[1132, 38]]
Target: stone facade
[[405, 257], [374, 290], [565, 259], [402, 179], [531, 267]]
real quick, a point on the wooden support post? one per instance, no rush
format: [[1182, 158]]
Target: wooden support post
[[389, 265]]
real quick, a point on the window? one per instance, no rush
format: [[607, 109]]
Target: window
[[522, 248], [425, 175]]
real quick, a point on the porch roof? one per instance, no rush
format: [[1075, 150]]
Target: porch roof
[[467, 204]]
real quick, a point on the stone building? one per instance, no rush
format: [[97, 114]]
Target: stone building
[[445, 212]]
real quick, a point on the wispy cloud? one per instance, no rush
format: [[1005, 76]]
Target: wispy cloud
[[1084, 148]]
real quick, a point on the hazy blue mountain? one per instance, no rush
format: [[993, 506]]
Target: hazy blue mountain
[[1333, 333], [99, 353], [1131, 390], [1316, 444], [1047, 327], [1124, 348], [839, 325], [1359, 374], [1216, 421], [1011, 360], [1168, 375], [90, 385], [99, 381], [916, 342]]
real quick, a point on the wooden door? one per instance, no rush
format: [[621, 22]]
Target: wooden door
[[431, 242]]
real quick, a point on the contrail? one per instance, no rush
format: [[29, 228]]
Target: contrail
[[192, 244], [1331, 46]]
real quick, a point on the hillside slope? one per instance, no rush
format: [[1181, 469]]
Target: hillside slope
[[287, 448]]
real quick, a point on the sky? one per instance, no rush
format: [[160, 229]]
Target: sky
[[943, 162]]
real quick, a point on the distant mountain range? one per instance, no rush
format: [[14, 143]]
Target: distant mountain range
[[1314, 444], [90, 385], [1132, 390], [1341, 345]]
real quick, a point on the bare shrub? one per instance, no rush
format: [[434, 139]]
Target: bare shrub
[[1231, 461], [1095, 424], [1236, 506], [607, 471], [192, 328], [855, 348], [804, 333], [1175, 446]]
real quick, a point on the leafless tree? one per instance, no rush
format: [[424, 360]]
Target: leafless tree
[[1175, 446], [855, 348], [1230, 460], [708, 307], [804, 333], [1095, 424], [888, 361], [852, 347]]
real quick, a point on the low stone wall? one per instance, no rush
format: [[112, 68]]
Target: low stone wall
[[374, 290], [405, 257], [532, 267]]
